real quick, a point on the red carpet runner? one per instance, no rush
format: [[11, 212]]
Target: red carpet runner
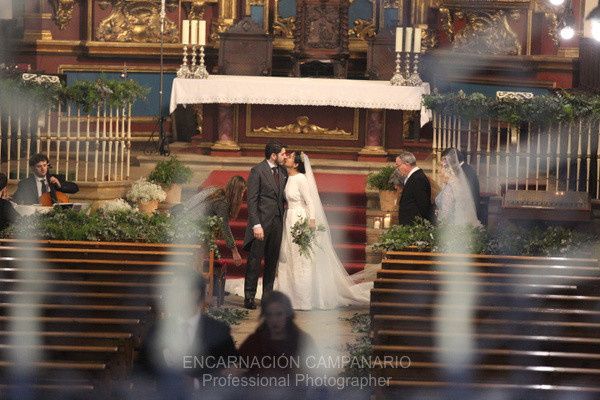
[[344, 200]]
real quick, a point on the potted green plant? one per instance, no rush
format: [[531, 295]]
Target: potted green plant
[[171, 174], [146, 194], [380, 180]]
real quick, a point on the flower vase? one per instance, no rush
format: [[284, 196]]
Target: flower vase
[[148, 207], [173, 194]]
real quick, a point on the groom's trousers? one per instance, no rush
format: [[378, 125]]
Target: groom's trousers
[[269, 250]]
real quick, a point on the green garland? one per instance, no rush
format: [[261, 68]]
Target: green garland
[[117, 226], [17, 95], [539, 110], [540, 240]]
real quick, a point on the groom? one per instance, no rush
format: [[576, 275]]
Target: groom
[[265, 219]]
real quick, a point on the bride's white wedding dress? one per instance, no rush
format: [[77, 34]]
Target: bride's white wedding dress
[[319, 281]]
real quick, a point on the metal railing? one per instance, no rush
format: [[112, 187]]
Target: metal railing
[[91, 146], [558, 157]]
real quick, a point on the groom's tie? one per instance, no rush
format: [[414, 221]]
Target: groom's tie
[[276, 176]]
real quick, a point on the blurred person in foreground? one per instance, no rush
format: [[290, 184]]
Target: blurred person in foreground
[[180, 349]]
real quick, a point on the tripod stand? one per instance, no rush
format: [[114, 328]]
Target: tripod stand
[[163, 143]]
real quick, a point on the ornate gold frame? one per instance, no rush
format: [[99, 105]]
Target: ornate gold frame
[[265, 4], [328, 134]]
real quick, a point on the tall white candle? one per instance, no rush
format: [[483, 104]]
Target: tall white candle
[[194, 32], [417, 40], [387, 221], [408, 40], [399, 35], [185, 31], [202, 33]]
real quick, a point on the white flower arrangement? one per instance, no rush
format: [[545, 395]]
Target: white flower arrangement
[[116, 205], [142, 191]]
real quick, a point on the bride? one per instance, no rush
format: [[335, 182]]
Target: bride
[[455, 204], [319, 280]]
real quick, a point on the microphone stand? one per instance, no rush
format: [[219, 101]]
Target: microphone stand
[[163, 144]]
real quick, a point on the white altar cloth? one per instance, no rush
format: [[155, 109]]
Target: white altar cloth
[[231, 89]]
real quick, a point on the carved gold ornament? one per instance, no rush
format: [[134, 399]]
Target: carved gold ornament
[[300, 128], [63, 12], [197, 8], [284, 27], [136, 21], [485, 32], [363, 29], [514, 95]]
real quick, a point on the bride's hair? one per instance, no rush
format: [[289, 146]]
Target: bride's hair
[[299, 159]]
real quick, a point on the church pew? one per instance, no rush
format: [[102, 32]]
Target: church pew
[[83, 297], [122, 325], [434, 282], [122, 340], [108, 355], [72, 272], [142, 313], [507, 259], [530, 320], [489, 267], [91, 297], [514, 341], [82, 285]]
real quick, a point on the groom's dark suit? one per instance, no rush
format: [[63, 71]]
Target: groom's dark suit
[[416, 199], [265, 207]]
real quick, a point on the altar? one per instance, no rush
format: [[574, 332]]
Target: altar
[[354, 119]]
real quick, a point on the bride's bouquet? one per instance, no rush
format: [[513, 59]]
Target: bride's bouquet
[[304, 236]]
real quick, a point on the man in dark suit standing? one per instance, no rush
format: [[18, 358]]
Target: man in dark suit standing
[[472, 179], [265, 219], [415, 200], [30, 189]]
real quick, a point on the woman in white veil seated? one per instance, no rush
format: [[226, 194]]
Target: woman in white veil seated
[[455, 204]]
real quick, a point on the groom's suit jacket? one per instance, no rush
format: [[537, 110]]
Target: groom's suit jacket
[[265, 199], [416, 199]]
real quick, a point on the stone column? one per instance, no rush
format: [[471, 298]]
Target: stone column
[[373, 150], [226, 145]]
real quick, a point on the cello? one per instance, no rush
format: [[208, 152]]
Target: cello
[[54, 196]]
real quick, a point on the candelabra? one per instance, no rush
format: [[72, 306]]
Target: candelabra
[[415, 79], [184, 70], [398, 79], [200, 72]]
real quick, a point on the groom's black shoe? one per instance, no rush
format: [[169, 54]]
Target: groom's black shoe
[[249, 304]]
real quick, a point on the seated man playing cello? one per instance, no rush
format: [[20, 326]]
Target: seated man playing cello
[[43, 187]]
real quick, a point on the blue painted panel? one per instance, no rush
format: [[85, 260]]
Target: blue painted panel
[[390, 18], [360, 9], [490, 90], [287, 8], [256, 13], [148, 107]]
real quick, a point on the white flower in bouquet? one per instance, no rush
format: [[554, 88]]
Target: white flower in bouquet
[[304, 236], [116, 205], [142, 191]]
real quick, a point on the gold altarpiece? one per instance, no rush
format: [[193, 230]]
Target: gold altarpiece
[[102, 35]]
